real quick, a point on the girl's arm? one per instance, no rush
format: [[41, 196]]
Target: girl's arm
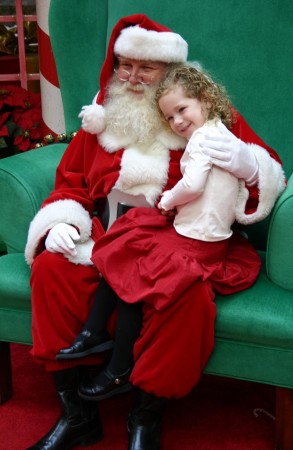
[[195, 173]]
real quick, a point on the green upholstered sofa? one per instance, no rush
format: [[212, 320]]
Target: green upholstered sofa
[[245, 45]]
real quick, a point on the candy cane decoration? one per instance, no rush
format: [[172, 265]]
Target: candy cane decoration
[[52, 107]]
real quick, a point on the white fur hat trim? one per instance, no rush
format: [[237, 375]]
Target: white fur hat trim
[[148, 45]]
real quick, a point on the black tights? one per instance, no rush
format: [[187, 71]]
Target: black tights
[[129, 322]]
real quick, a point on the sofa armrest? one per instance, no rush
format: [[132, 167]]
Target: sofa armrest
[[279, 260], [26, 180]]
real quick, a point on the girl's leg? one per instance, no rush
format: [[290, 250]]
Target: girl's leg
[[129, 323], [113, 379], [94, 337], [104, 304]]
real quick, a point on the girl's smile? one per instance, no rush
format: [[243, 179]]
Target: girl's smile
[[184, 114]]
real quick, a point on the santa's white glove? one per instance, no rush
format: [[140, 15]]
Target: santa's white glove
[[61, 239], [93, 118], [231, 154]]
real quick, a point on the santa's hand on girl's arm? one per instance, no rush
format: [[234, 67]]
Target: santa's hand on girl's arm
[[61, 239], [230, 153]]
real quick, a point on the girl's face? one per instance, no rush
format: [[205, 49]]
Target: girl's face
[[184, 114]]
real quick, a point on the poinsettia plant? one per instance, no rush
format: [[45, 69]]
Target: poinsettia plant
[[20, 120]]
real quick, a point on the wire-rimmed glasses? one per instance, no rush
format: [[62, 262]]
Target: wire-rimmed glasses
[[141, 77]]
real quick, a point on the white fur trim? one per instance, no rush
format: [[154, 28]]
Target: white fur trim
[[171, 140], [271, 183], [148, 45], [144, 170], [111, 142], [61, 211], [83, 253], [93, 118]]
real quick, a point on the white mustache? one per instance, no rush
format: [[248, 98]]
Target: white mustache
[[126, 86]]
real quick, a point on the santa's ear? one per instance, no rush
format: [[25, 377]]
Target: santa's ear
[[93, 118]]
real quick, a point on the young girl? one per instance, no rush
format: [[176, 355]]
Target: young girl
[[194, 106], [164, 257]]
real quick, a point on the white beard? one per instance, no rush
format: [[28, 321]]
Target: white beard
[[131, 116]]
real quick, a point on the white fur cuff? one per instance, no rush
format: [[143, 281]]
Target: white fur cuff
[[271, 183], [84, 253], [66, 211]]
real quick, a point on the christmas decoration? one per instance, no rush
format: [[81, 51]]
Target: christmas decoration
[[9, 41], [20, 120]]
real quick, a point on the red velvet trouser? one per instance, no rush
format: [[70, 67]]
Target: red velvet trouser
[[174, 345]]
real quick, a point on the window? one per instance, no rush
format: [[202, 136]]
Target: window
[[19, 62]]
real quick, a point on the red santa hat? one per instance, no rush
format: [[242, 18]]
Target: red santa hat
[[135, 37], [138, 37]]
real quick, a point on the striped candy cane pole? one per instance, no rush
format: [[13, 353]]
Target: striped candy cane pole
[[52, 108]]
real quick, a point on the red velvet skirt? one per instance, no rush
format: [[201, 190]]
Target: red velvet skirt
[[143, 258]]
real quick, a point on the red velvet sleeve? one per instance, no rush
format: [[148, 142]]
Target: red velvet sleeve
[[86, 173], [70, 182], [242, 130]]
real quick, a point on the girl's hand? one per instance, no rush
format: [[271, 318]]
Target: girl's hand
[[170, 213]]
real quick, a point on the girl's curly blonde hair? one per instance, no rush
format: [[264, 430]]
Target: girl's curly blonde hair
[[198, 84]]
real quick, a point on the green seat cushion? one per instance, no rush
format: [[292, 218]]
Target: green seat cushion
[[279, 261], [15, 290], [15, 304], [254, 335], [262, 315], [253, 316]]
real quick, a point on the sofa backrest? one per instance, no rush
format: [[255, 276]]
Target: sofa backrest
[[247, 46]]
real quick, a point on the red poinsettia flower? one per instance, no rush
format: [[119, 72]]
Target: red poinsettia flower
[[27, 118], [13, 96], [3, 127], [20, 119]]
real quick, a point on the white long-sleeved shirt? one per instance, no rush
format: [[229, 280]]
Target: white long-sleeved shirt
[[206, 195]]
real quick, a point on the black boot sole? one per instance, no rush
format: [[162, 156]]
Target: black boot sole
[[119, 390], [91, 438], [108, 345]]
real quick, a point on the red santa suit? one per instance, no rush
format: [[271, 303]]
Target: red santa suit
[[176, 341]]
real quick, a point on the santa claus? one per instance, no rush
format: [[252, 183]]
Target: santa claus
[[123, 155]]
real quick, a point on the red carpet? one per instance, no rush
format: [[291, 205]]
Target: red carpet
[[217, 415]]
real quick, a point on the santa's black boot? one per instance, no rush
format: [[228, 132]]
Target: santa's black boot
[[79, 423], [144, 422]]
